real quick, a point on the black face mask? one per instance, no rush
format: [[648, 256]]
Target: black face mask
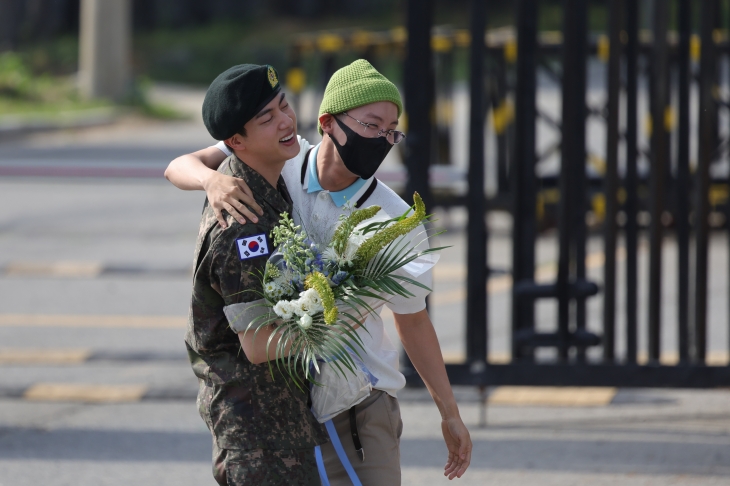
[[362, 156]]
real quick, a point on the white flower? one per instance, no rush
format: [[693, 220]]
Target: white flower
[[306, 321], [296, 307], [273, 290], [310, 302], [283, 283], [283, 309], [351, 249], [315, 299]]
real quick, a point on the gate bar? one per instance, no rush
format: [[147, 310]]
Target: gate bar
[[703, 179], [418, 82], [477, 273], [579, 226], [658, 172], [682, 201], [632, 179], [419, 91], [572, 163], [625, 375], [523, 170], [611, 182]]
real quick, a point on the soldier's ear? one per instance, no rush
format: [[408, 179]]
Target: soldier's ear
[[236, 142]]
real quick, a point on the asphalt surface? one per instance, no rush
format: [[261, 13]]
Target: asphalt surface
[[95, 388]]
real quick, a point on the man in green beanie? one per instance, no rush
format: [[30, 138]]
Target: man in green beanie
[[263, 431], [358, 119]]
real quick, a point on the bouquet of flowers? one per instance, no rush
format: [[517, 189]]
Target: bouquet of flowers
[[317, 297]]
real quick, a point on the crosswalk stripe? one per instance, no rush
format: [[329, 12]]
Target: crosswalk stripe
[[43, 356], [552, 396], [79, 392], [54, 269]]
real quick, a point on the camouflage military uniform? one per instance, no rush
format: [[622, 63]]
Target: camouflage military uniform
[[263, 431]]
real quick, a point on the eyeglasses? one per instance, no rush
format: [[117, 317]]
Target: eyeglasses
[[391, 135]]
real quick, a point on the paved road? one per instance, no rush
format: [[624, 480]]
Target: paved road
[[95, 388]]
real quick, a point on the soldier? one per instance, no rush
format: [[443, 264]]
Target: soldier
[[358, 120], [263, 431]]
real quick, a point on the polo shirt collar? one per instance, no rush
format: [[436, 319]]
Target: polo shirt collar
[[311, 183]]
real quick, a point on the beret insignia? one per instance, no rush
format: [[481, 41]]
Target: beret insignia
[[273, 79]]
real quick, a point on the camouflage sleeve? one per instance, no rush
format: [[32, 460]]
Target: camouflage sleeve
[[237, 263]]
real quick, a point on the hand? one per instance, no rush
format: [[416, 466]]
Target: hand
[[459, 445], [232, 195]]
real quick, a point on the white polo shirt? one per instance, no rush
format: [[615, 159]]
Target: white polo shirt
[[318, 213]]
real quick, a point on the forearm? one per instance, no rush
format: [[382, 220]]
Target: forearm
[[191, 172], [421, 343], [257, 347], [188, 173]]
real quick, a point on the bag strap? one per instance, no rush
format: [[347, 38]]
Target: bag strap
[[355, 435], [320, 466], [340, 453]]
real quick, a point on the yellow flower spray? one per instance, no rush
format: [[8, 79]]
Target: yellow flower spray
[[319, 282], [371, 247], [344, 230]]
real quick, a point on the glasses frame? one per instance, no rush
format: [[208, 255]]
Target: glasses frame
[[397, 134]]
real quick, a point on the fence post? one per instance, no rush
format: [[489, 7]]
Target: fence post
[[523, 170], [571, 221], [683, 176], [632, 179], [477, 273], [105, 45], [418, 84], [611, 181], [702, 186], [658, 173], [418, 81]]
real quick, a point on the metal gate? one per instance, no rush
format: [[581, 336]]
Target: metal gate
[[666, 113], [673, 197]]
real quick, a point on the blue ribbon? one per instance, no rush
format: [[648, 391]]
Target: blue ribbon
[[340, 453]]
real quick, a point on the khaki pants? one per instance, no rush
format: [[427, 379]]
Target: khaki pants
[[379, 426]]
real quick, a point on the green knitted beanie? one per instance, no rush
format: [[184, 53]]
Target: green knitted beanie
[[356, 85]]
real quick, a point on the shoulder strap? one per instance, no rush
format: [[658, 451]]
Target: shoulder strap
[[305, 164], [365, 195]]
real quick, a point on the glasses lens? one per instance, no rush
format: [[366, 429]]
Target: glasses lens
[[398, 136]]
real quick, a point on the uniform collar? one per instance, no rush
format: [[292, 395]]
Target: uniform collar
[[278, 197], [340, 198]]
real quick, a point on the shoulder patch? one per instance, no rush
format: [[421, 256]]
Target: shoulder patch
[[252, 246]]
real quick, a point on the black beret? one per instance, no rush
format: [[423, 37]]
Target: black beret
[[236, 96]]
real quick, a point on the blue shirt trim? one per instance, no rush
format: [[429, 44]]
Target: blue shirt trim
[[340, 198]]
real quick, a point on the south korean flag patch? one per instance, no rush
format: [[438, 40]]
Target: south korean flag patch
[[252, 246]]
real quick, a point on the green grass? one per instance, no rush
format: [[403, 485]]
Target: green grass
[[26, 95]]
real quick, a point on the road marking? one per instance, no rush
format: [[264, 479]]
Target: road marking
[[54, 269], [671, 358], [552, 396], [458, 357], [76, 392], [43, 356], [141, 322]]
